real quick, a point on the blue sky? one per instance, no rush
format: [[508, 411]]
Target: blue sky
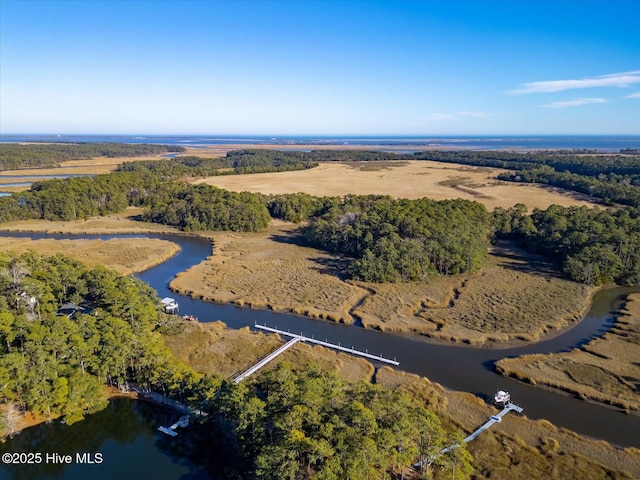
[[311, 67]]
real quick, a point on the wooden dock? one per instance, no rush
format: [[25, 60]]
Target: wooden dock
[[183, 422]]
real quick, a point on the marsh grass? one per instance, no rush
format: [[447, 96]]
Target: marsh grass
[[516, 296], [377, 165], [212, 348], [606, 370], [123, 222], [517, 448], [406, 179], [126, 256], [262, 271]]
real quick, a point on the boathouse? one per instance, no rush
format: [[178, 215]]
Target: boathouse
[[170, 305]]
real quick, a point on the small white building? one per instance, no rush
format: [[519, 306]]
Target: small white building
[[170, 305]]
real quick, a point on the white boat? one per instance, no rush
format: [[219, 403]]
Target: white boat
[[502, 397]]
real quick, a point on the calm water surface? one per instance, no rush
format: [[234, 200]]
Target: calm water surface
[[125, 436]]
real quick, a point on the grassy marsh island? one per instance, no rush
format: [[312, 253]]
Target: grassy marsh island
[[605, 370]]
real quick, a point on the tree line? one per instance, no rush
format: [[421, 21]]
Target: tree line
[[592, 246], [234, 162], [310, 424], [204, 207], [394, 240], [608, 188], [58, 364], [16, 155]]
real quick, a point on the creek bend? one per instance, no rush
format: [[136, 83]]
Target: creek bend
[[457, 368]]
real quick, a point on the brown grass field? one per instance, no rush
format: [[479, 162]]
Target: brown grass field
[[268, 270], [414, 179], [123, 222], [606, 370], [256, 270], [515, 297], [123, 255], [517, 448]]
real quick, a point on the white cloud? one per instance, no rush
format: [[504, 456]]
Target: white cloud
[[574, 103], [633, 95], [612, 80]]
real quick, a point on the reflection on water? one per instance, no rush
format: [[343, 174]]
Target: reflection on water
[[125, 436]]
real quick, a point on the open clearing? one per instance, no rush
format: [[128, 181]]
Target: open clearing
[[268, 270], [414, 179], [607, 369], [123, 255]]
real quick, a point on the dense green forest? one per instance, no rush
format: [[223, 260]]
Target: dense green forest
[[403, 240], [310, 424], [593, 246], [57, 364], [16, 155], [234, 162], [204, 207]]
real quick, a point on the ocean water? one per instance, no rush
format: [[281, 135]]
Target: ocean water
[[604, 143]]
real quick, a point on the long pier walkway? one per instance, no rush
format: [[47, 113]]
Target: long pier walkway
[[295, 338], [352, 351], [266, 360], [494, 419]]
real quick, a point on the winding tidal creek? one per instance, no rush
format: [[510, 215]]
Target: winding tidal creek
[[457, 368]]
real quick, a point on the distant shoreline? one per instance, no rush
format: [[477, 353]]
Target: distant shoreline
[[599, 143]]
